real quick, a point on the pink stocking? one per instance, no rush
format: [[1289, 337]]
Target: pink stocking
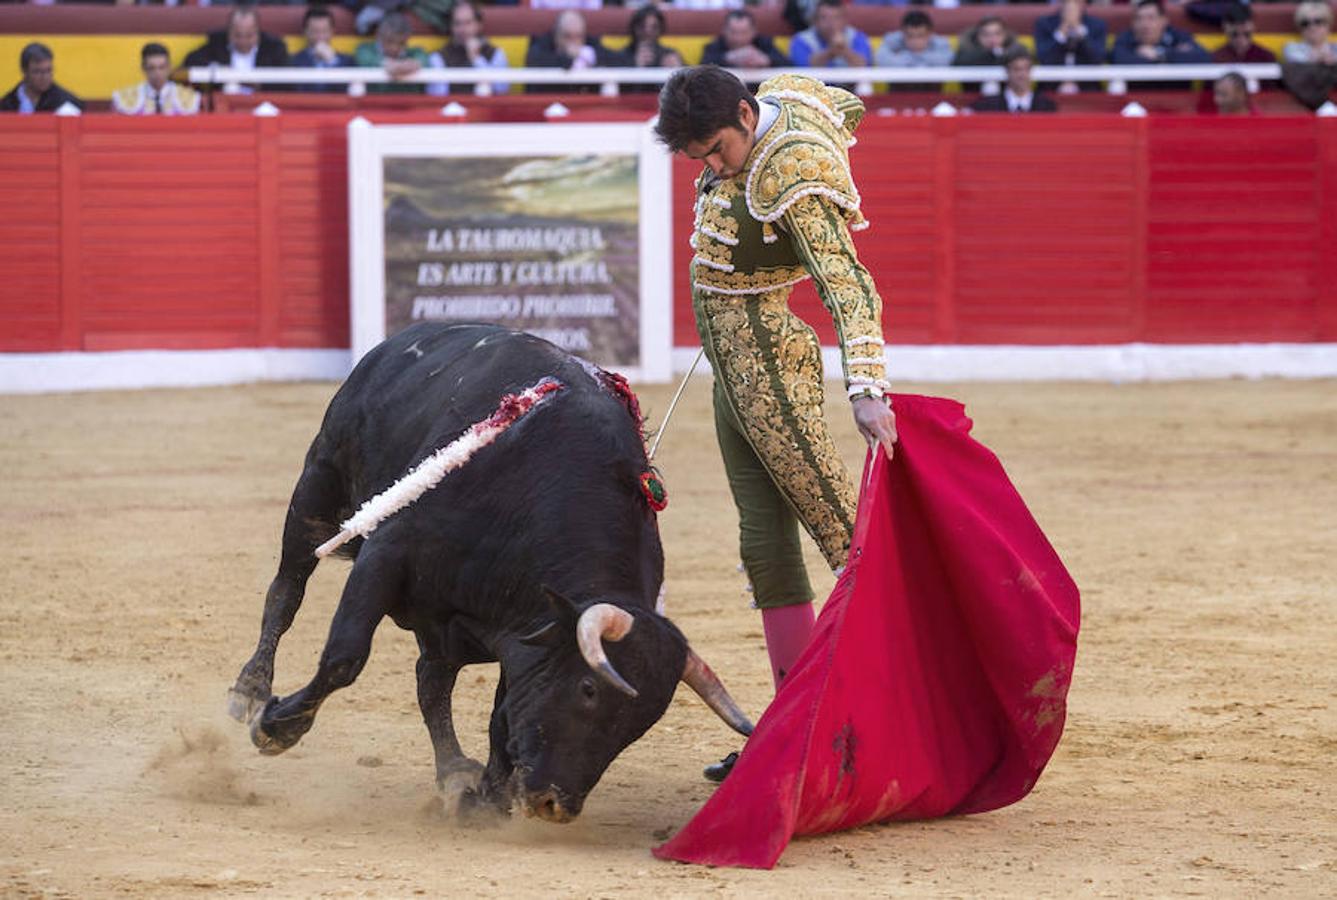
[[788, 629]]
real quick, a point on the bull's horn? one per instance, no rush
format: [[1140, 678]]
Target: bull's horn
[[708, 687], [601, 622]]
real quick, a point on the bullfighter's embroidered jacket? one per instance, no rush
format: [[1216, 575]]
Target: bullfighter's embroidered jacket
[[788, 217], [175, 100], [785, 218]]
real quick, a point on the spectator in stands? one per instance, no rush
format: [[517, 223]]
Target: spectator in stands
[[318, 28], [1314, 22], [741, 46], [985, 45], [567, 4], [914, 45], [156, 95], [1071, 37], [1152, 39], [38, 91], [1237, 22], [1230, 95], [830, 40], [392, 52], [699, 4], [568, 46], [1019, 94], [467, 48], [799, 13], [644, 49], [241, 45]]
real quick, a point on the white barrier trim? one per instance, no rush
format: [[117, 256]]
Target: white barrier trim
[[614, 76], [40, 373], [36, 373], [1102, 362]]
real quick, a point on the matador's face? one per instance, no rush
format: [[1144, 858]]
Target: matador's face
[[725, 152]]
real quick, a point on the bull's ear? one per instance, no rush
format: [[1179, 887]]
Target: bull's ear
[[561, 604], [545, 635]]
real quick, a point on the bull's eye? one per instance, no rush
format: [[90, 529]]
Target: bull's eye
[[587, 689]]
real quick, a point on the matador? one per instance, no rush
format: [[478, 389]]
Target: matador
[[775, 206]]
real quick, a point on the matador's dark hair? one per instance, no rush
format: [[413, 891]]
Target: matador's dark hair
[[695, 103]]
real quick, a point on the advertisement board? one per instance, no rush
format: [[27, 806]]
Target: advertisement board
[[561, 230]]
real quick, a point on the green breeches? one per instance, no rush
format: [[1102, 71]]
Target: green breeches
[[782, 464]]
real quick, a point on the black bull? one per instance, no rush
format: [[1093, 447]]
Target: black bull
[[533, 554]]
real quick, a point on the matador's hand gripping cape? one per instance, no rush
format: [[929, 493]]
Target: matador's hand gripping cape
[[936, 681]]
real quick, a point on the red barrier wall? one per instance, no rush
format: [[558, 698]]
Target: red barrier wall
[[222, 231], [231, 231]]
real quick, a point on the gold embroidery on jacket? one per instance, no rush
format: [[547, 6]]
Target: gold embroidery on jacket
[[758, 282], [819, 234], [787, 217]]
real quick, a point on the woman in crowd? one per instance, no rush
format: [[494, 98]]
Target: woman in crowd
[[984, 45], [644, 51], [467, 48], [987, 44], [1314, 22]]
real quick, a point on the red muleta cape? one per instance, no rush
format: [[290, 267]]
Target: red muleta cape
[[937, 677]]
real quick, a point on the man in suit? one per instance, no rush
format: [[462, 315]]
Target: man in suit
[[318, 28], [568, 47], [242, 45], [38, 91], [1019, 94], [1153, 40], [1071, 37], [741, 46], [831, 40]]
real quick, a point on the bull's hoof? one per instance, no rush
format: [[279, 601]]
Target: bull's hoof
[[475, 811], [242, 705], [266, 743], [457, 786]]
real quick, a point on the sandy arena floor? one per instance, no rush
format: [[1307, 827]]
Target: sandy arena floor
[[141, 529]]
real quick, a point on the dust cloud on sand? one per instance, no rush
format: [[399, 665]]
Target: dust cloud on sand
[[142, 529], [199, 765]]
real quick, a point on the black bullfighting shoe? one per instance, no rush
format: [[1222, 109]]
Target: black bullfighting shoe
[[717, 772]]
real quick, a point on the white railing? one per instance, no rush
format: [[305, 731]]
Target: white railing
[[609, 78]]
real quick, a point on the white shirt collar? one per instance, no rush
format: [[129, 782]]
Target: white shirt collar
[[1015, 101], [244, 60], [768, 111]]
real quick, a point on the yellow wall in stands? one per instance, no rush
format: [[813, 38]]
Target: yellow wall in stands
[[92, 66]]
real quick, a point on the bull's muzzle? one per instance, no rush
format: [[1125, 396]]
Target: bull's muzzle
[[549, 806]]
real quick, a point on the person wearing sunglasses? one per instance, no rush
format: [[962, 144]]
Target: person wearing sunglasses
[[1314, 22], [1240, 47]]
